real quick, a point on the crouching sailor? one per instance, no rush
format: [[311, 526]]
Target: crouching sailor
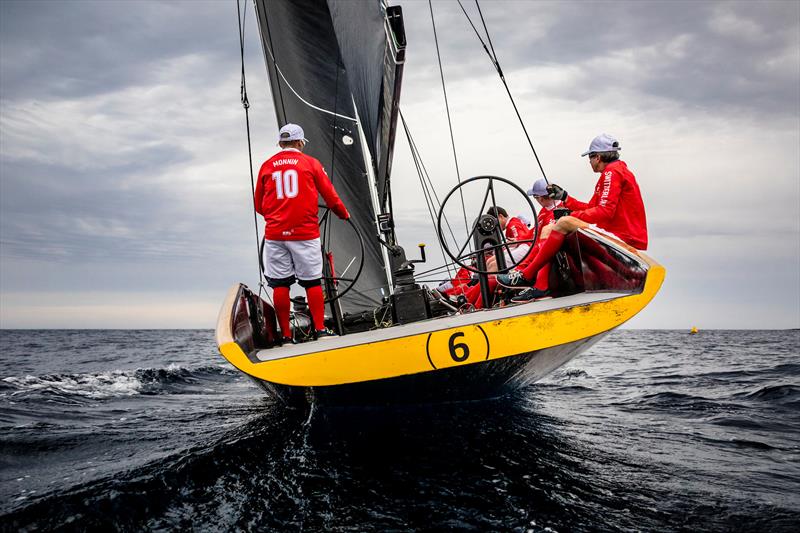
[[616, 209], [289, 184]]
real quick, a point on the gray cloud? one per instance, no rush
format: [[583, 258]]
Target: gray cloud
[[54, 49], [735, 56], [111, 121], [124, 165], [58, 213], [720, 56]]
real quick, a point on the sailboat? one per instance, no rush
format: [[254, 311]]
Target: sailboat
[[336, 68]]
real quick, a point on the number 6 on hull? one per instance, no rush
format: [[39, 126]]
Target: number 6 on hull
[[453, 347]]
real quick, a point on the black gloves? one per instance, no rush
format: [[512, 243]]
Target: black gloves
[[559, 212], [556, 192]]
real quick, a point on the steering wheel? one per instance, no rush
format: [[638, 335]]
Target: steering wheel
[[325, 221], [485, 225]]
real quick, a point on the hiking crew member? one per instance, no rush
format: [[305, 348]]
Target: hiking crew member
[[546, 221], [515, 230], [289, 185], [457, 285], [615, 209]]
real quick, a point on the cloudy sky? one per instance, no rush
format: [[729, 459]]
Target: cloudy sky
[[124, 184]]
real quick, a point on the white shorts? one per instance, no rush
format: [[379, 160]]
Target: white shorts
[[302, 259], [517, 253]]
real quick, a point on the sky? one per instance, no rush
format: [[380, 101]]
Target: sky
[[125, 195]]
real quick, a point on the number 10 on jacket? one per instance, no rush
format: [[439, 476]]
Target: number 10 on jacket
[[285, 183]]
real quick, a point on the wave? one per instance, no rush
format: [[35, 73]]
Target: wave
[[573, 373], [111, 384], [671, 400], [739, 422], [739, 443], [132, 499], [790, 369], [730, 376], [780, 394]]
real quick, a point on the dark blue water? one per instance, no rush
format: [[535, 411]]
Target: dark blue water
[[153, 430]]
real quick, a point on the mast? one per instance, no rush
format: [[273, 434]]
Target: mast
[[369, 164]]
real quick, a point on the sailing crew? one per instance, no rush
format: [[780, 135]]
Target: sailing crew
[[456, 285], [545, 221], [289, 185], [616, 209], [515, 230]]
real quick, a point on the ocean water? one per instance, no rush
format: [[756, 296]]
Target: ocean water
[[153, 430]]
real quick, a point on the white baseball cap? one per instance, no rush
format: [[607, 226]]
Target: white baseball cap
[[602, 143], [291, 132], [524, 218], [539, 188]]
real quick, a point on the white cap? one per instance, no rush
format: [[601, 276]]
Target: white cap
[[603, 143], [291, 132], [524, 218], [539, 188]]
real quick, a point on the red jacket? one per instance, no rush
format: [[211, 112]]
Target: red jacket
[[516, 230], [544, 218], [459, 282], [289, 184], [616, 205]]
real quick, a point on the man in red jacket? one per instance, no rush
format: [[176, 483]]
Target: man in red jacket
[[616, 208], [515, 230], [289, 184]]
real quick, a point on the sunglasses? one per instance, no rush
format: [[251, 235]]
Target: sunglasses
[[592, 156]]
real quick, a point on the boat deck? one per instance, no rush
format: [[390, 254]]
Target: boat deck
[[431, 325]]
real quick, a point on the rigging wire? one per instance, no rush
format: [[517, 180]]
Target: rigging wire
[[425, 191], [493, 57], [427, 177], [447, 108], [488, 37], [246, 104], [436, 271]]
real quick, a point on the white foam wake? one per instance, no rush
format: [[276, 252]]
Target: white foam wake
[[96, 385]]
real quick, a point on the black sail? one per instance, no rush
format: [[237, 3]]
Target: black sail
[[372, 45], [312, 86]]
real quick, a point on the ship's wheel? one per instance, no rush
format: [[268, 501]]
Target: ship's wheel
[[339, 274], [483, 224]]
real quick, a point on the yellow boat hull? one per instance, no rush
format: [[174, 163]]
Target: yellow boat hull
[[480, 354]]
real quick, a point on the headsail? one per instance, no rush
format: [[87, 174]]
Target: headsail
[[311, 86]]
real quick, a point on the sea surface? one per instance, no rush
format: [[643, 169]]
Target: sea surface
[[153, 430]]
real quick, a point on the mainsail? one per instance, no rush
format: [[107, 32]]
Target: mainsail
[[372, 45], [335, 68]]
